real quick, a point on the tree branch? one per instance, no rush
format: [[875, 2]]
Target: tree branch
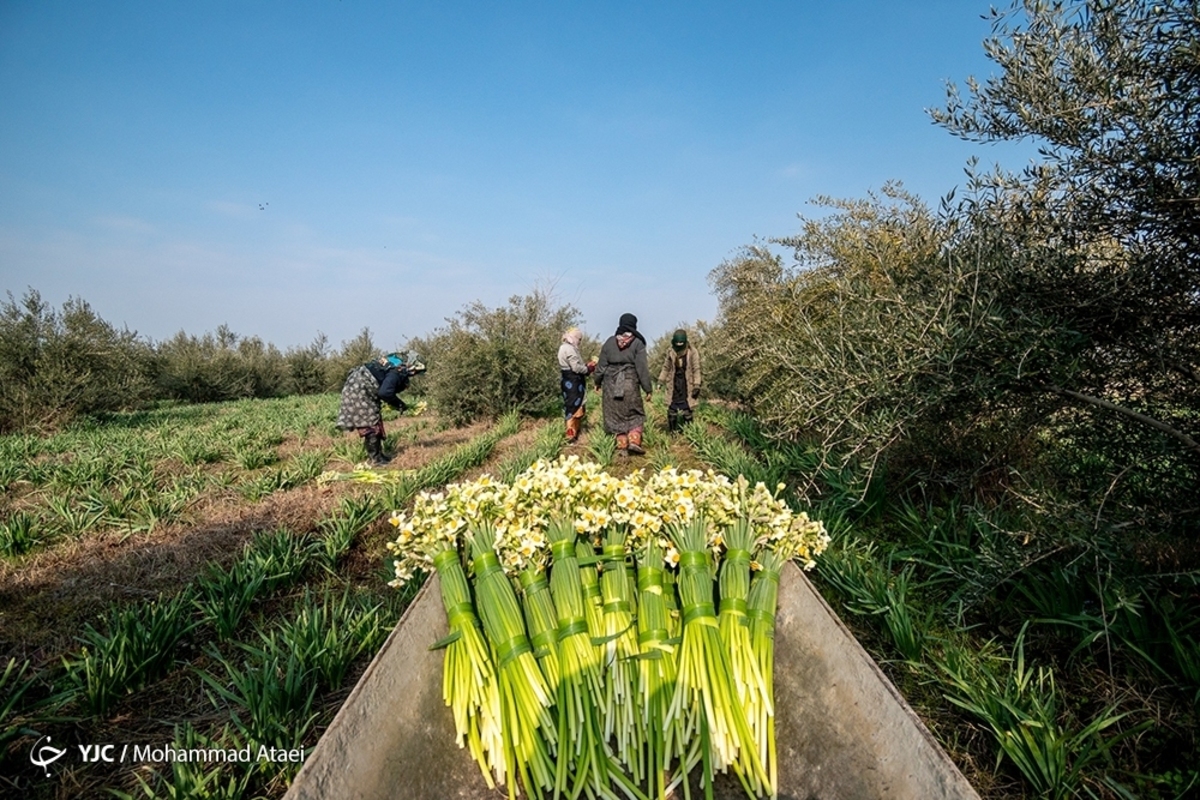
[[1183, 438]]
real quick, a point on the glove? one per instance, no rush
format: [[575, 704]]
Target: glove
[[696, 393]]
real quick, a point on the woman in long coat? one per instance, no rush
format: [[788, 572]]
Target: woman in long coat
[[620, 374]]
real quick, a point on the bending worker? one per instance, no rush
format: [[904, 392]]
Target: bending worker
[[366, 388]]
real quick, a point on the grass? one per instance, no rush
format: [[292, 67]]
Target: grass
[[234, 617], [137, 645], [1022, 707], [187, 780], [1042, 674], [1081, 684]]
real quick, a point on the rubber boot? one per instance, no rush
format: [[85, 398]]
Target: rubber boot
[[635, 443], [572, 429], [622, 444], [672, 420], [374, 446]]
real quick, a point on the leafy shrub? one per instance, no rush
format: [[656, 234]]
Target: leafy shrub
[[491, 360], [354, 352], [220, 366], [309, 370], [57, 365]]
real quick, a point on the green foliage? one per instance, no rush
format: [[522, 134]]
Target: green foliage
[[1103, 237], [1108, 90], [220, 366], [492, 360], [18, 534], [197, 780], [1023, 710], [274, 691], [931, 578], [329, 635], [727, 456], [550, 440], [454, 463], [340, 529], [603, 447], [137, 645], [14, 682], [281, 556], [55, 366], [872, 340], [224, 596], [870, 587], [309, 370]]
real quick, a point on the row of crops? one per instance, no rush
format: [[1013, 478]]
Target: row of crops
[[256, 648], [1040, 679], [260, 646]]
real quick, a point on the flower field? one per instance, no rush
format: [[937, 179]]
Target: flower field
[[186, 577], [218, 576]]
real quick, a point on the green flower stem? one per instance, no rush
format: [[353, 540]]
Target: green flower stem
[[582, 746], [657, 668], [527, 724], [705, 682], [469, 685], [621, 720], [762, 604]]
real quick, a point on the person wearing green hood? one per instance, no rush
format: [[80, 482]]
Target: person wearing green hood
[[680, 378]]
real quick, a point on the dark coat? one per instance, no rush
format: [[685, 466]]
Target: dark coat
[[620, 373]]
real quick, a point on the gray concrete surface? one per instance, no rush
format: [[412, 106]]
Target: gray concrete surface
[[843, 731]]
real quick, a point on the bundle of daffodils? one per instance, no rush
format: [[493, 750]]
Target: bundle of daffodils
[[609, 635]]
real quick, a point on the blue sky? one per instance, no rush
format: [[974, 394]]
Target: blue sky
[[289, 168]]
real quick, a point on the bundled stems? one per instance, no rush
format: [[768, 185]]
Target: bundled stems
[[527, 724], [608, 676], [619, 640], [542, 622], [582, 749], [469, 685], [656, 665], [762, 603], [704, 689], [733, 624]]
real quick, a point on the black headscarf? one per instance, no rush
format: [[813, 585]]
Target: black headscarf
[[628, 324]]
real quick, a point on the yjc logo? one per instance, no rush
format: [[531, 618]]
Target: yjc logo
[[97, 752], [45, 755]]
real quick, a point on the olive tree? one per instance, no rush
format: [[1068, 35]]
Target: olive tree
[[489, 360], [1108, 224], [55, 365]]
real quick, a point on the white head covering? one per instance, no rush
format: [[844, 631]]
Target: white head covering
[[573, 336]]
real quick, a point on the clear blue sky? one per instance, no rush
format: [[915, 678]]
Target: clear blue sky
[[411, 157]]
